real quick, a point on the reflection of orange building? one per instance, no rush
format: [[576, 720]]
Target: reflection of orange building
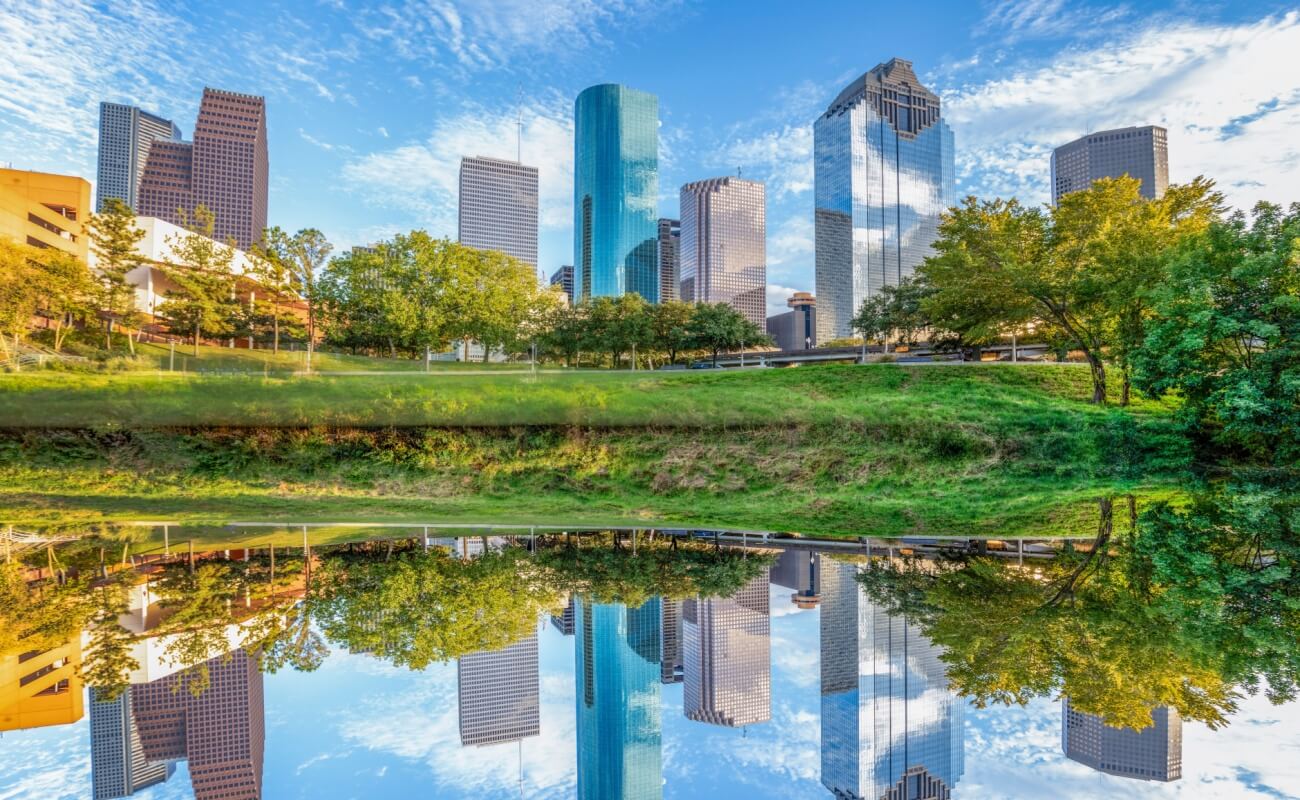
[[41, 688]]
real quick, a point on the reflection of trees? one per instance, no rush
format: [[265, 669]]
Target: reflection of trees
[[1180, 607]]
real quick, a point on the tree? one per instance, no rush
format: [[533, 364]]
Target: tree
[[895, 310], [616, 325], [302, 255], [108, 662], [33, 280], [717, 326], [114, 237], [670, 332], [563, 330], [272, 271], [202, 304]]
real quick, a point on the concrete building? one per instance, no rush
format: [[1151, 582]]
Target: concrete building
[[724, 245], [118, 767], [890, 727], [225, 169], [1152, 754], [670, 269], [126, 135], [498, 207], [616, 193], [499, 694], [45, 210], [883, 176], [563, 278], [1142, 153], [41, 689], [727, 655], [796, 329]]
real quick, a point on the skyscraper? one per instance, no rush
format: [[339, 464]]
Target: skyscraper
[[616, 193], [670, 270], [126, 134], [891, 730], [224, 169], [498, 207], [797, 570], [563, 277], [1142, 153], [724, 245], [727, 657], [1152, 754], [118, 767], [499, 694], [620, 749], [670, 626], [883, 165]]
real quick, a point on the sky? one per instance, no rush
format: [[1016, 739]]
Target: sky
[[371, 105]]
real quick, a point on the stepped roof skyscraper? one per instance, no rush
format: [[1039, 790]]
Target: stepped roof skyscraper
[[724, 245], [727, 657]]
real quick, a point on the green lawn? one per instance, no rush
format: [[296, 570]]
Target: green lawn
[[157, 356]]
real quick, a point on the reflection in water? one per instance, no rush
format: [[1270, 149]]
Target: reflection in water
[[1152, 754], [499, 694], [727, 657], [118, 764]]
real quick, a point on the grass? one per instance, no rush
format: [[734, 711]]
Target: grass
[[242, 360], [883, 450]]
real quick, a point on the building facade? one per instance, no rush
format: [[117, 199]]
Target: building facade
[[45, 210], [796, 329], [498, 207], [225, 169], [1152, 754], [563, 278], [670, 271], [118, 767], [883, 176], [1140, 152], [616, 193], [727, 656], [42, 688], [499, 694], [671, 669], [724, 245], [126, 135]]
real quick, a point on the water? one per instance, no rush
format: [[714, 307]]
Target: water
[[799, 679]]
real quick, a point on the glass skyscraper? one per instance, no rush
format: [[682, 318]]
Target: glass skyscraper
[[616, 193], [883, 160]]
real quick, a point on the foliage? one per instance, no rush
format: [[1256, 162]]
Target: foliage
[[114, 237], [896, 310], [296, 260], [202, 304], [717, 326], [38, 280], [108, 663]]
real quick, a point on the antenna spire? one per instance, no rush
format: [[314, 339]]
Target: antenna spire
[[519, 124]]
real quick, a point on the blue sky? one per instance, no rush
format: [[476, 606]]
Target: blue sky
[[371, 104]]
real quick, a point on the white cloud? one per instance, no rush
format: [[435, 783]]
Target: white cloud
[[1014, 20], [383, 131], [326, 146], [782, 158], [790, 251], [776, 304]]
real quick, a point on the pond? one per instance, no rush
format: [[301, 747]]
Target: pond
[[632, 664]]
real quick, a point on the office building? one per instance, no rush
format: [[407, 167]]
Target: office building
[[724, 245], [1141, 153], [126, 134], [118, 767], [890, 728], [797, 570], [883, 176], [225, 169], [671, 669], [499, 693], [727, 654], [1154, 753], [498, 207], [45, 210], [670, 271], [221, 732], [563, 278], [796, 329], [617, 659], [41, 689], [616, 193]]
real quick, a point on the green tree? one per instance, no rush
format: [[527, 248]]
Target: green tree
[[108, 663], [563, 331], [114, 238], [717, 327], [35, 280], [670, 328], [896, 310], [302, 255], [203, 303], [616, 325]]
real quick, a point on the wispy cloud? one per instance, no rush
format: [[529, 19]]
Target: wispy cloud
[[1014, 20]]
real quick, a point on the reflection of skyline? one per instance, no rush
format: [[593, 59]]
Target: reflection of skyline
[[726, 648], [891, 730], [1154, 753], [499, 694], [118, 767], [617, 672]]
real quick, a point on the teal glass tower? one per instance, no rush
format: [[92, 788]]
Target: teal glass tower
[[616, 193], [618, 653]]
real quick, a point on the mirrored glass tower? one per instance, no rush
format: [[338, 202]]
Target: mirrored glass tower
[[883, 161], [616, 193]]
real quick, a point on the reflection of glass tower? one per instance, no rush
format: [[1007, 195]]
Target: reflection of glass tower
[[616, 193], [1151, 754], [118, 767], [891, 730], [499, 694], [727, 657], [883, 164], [618, 660]]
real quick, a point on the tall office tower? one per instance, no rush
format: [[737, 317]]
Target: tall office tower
[[727, 656], [890, 727], [563, 277], [724, 245], [615, 193], [563, 622], [118, 767], [620, 749], [1142, 153], [224, 169], [1152, 754], [126, 134], [670, 269], [883, 175], [498, 207], [222, 732], [671, 669], [499, 692]]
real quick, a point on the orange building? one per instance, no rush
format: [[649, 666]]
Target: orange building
[[41, 688], [45, 210]]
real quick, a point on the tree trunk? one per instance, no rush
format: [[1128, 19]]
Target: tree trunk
[[275, 324], [1098, 378], [1125, 385], [196, 341]]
